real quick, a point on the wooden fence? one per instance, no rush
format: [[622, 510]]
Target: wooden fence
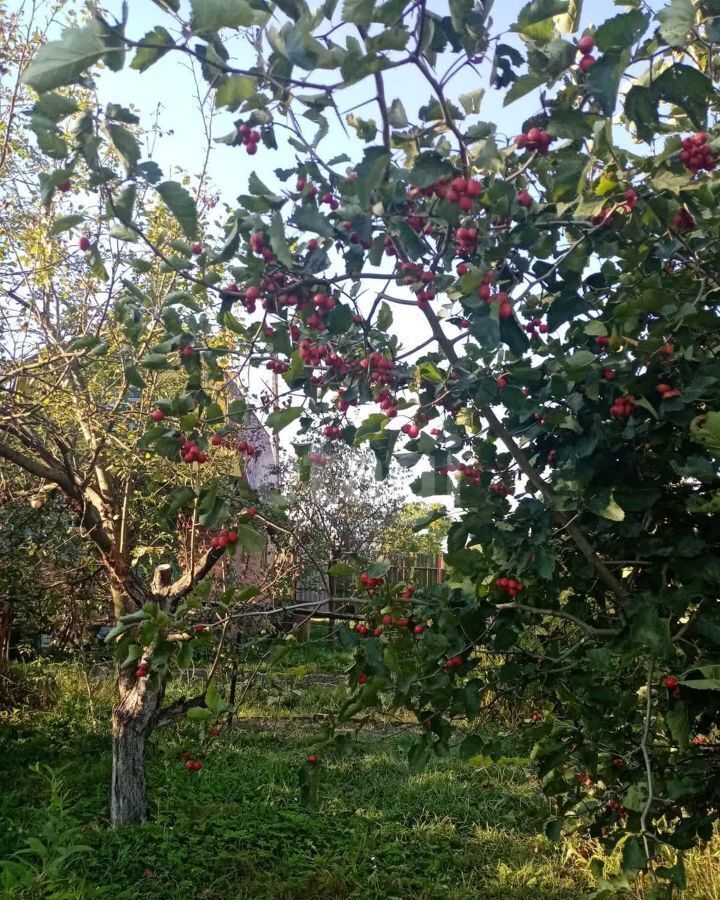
[[421, 570]]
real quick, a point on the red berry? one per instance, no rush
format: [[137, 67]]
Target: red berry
[[312, 759], [250, 512], [671, 682], [197, 765], [197, 249], [602, 341], [84, 244], [586, 63], [387, 620], [362, 677], [64, 186], [524, 199], [157, 415], [586, 44], [214, 731]]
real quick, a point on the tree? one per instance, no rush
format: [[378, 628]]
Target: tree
[[578, 262], [340, 511], [417, 528]]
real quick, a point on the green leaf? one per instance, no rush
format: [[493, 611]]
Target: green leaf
[[633, 856], [613, 512], [199, 714], [133, 376], [677, 722], [341, 570], [539, 10], [181, 204], [250, 539], [62, 62], [568, 22], [280, 418], [429, 167], [471, 101], [234, 91], [686, 87], [145, 56], [65, 223], [125, 144], [211, 15], [603, 80], [374, 424], [676, 22], [278, 241], [642, 110], [359, 12], [385, 317], [397, 115], [621, 31]]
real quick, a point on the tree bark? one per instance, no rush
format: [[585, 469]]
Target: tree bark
[[6, 617], [136, 711]]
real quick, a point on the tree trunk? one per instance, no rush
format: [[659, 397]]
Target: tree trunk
[[6, 617], [139, 701]]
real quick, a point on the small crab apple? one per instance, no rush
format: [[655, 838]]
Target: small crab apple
[[197, 249], [586, 63], [586, 44], [524, 199], [313, 759], [157, 415], [84, 244]]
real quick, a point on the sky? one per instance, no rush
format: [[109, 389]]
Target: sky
[[167, 95]]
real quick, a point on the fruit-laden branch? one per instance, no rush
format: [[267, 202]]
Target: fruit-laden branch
[[534, 477]]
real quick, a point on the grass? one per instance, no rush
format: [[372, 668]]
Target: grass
[[238, 829]]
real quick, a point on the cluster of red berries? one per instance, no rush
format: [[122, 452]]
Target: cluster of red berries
[[306, 190], [534, 139], [466, 241], [333, 432], [277, 366], [485, 292], [618, 807], [623, 407], [250, 138], [312, 354], [468, 472], [500, 489], [223, 539], [461, 191], [191, 453], [696, 153], [248, 449], [259, 246], [330, 200], [369, 582], [386, 402], [410, 429], [585, 46], [379, 368], [455, 662], [142, 670], [536, 327], [667, 392], [318, 459], [683, 221], [192, 765], [584, 779], [509, 586]]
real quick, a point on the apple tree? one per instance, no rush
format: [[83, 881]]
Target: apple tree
[[565, 389]]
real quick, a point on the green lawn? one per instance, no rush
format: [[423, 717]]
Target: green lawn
[[239, 830]]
